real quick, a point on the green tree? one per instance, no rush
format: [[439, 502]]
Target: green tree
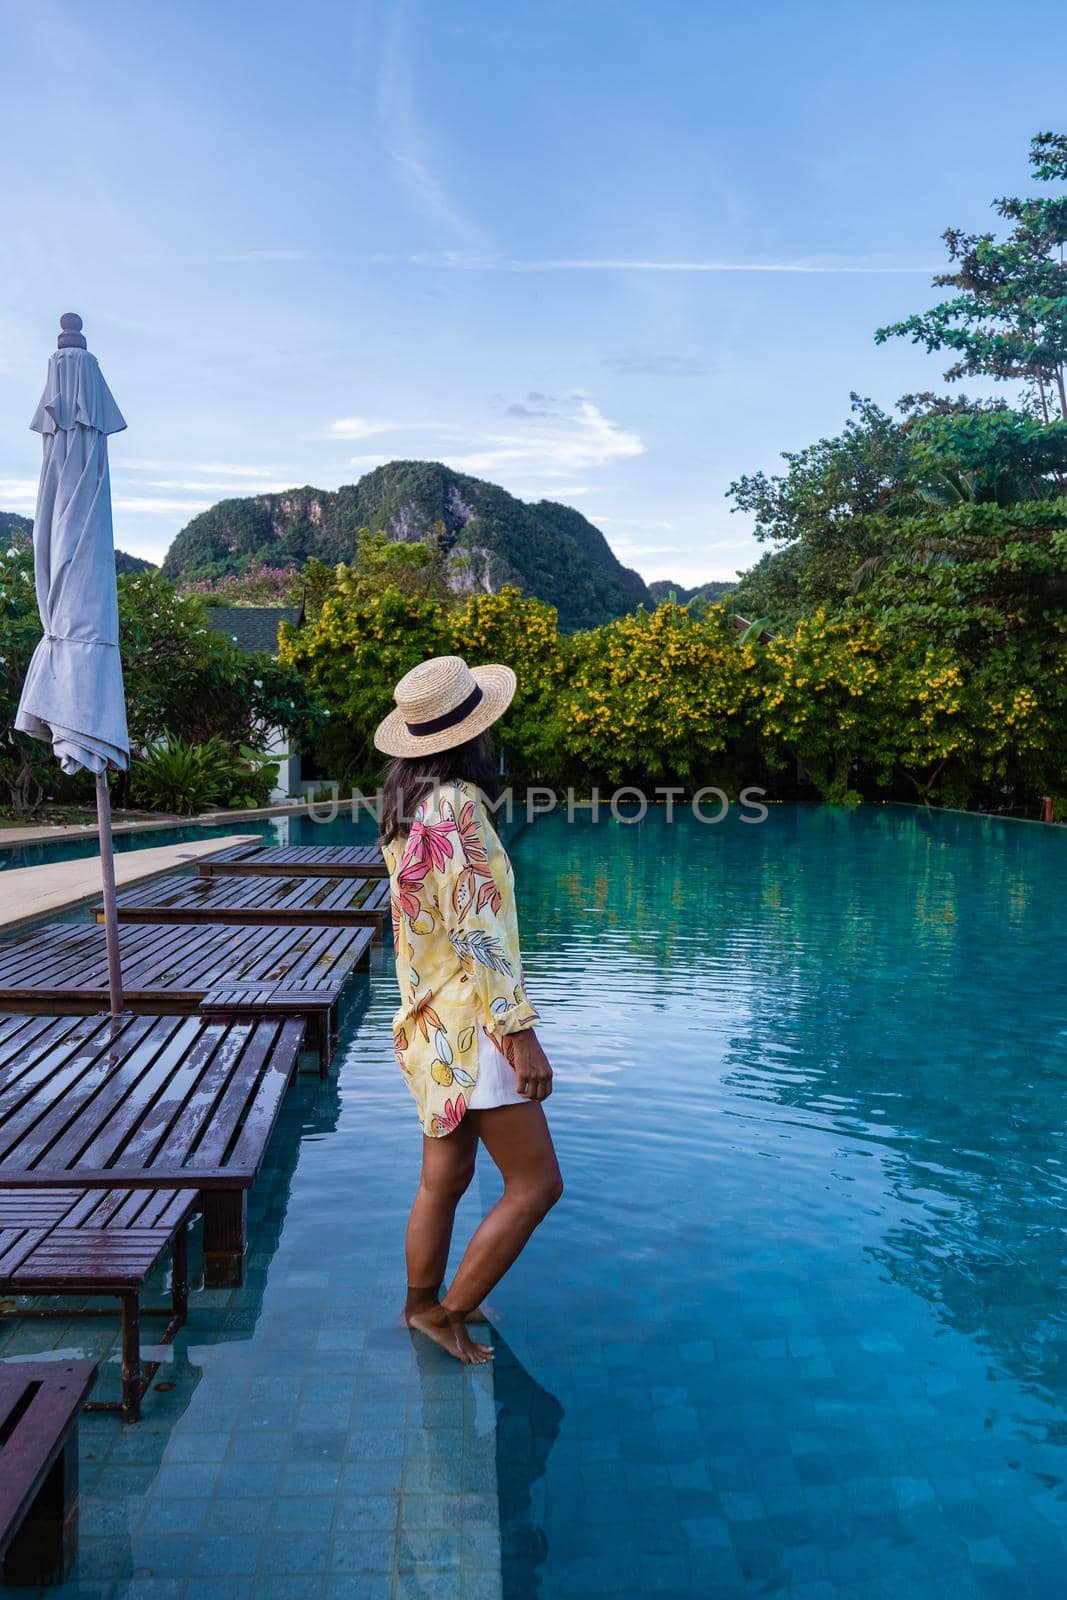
[[184, 677], [418, 569], [827, 511], [27, 767], [1009, 319]]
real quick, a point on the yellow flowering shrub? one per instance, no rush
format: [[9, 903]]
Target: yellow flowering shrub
[[655, 696], [523, 633], [853, 705], [827, 702], [351, 656]]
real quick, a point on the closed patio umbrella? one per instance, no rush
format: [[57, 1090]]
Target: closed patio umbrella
[[73, 697]]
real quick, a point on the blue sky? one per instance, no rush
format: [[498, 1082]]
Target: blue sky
[[611, 252]]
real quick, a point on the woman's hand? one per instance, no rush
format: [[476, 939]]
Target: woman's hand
[[533, 1075]]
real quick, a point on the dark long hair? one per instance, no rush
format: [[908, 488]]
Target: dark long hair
[[408, 779]]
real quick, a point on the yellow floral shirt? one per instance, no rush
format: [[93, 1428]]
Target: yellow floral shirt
[[457, 950]]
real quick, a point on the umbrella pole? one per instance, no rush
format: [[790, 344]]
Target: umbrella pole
[[107, 872]]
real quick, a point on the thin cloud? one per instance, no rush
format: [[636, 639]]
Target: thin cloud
[[152, 505], [225, 258], [18, 494], [404, 140], [658, 366], [634, 550], [636, 522], [582, 440], [222, 486], [517, 409], [209, 469], [356, 428], [485, 263], [267, 255]]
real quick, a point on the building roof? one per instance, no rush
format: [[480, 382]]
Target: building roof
[[254, 627]]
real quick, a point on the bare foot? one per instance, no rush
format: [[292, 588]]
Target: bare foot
[[479, 1314], [450, 1334]]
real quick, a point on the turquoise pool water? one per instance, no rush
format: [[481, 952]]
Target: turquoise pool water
[[797, 1327]]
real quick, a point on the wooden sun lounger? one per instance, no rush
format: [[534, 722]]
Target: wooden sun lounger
[[147, 1103], [39, 1406], [217, 970], [309, 902], [296, 860], [90, 1242]]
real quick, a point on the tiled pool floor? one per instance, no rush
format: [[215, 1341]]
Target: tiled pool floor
[[299, 1443]]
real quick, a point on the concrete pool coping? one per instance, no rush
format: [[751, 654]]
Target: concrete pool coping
[[31, 893]]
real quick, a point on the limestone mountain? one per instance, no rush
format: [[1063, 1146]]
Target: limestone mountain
[[12, 526], [548, 550]]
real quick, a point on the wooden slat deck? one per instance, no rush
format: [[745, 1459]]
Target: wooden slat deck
[[146, 1102], [61, 1242], [39, 1406], [217, 970], [307, 902], [296, 860]]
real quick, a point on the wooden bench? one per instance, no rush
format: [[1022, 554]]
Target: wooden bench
[[62, 968], [296, 860], [305, 902], [316, 1006], [39, 1406], [99, 1242], [147, 1103]]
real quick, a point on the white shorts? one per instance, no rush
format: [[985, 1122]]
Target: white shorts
[[496, 1080]]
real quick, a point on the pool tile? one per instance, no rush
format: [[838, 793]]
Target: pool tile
[[366, 1513]]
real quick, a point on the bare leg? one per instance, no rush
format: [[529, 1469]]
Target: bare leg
[[518, 1139], [447, 1169]]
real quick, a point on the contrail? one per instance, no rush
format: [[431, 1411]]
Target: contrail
[[504, 264]]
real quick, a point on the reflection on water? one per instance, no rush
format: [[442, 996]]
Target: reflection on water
[[527, 1424], [810, 1088]]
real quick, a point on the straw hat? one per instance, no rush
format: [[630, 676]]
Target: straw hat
[[441, 703]]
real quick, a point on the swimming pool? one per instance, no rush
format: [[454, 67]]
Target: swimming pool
[[796, 1328]]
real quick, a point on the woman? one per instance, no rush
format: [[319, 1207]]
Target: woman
[[464, 1035]]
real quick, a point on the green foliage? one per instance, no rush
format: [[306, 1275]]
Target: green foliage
[[185, 683], [525, 633], [657, 698], [1009, 319], [677, 593], [27, 767], [184, 677], [990, 454], [418, 569], [175, 775], [918, 686], [350, 657], [828, 507], [128, 563]]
